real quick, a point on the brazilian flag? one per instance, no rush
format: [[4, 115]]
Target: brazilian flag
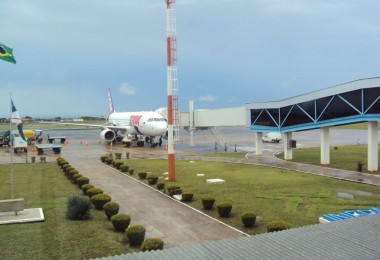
[[6, 53]]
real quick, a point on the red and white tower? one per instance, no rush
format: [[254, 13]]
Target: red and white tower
[[172, 81]]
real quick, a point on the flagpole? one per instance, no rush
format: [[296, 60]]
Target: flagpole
[[10, 144]]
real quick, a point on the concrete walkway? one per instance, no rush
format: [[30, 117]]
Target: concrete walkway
[[162, 216]]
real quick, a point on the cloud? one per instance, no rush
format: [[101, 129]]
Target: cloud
[[208, 98], [127, 89]]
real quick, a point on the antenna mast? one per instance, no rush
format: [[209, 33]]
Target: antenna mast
[[172, 82]]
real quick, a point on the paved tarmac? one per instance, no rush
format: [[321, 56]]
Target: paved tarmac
[[162, 216]]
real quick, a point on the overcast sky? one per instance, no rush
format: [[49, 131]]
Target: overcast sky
[[230, 52]]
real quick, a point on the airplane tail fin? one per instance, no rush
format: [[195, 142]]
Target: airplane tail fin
[[110, 103]]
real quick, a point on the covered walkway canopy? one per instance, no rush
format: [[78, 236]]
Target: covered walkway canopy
[[348, 103]]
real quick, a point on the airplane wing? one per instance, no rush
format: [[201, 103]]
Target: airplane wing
[[104, 126]]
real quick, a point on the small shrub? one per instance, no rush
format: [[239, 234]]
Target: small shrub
[[131, 171], [224, 209], [71, 174], [111, 208], [142, 175], [359, 167], [109, 160], [248, 219], [160, 185], [135, 235], [93, 191], [62, 161], [117, 164], [65, 166], [82, 181], [103, 157], [207, 202], [151, 244], [78, 208], [124, 168], [187, 196], [68, 169], [86, 187], [173, 189], [152, 179], [99, 200], [127, 154], [117, 156], [76, 176], [277, 226], [120, 222]]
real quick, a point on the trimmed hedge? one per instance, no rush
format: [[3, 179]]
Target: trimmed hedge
[[152, 179], [71, 173], [207, 202], [111, 208], [99, 200], [277, 226], [248, 219], [131, 171], [173, 190], [93, 191], [187, 196], [135, 235], [142, 175], [104, 157], [82, 181], [120, 222], [124, 168], [224, 209], [117, 164], [161, 185], [117, 156], [86, 187], [108, 160], [152, 244], [76, 176]]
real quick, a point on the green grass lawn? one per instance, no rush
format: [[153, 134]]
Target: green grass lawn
[[342, 157], [44, 186], [272, 194]]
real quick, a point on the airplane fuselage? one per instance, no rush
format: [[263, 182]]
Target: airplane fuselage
[[139, 123]]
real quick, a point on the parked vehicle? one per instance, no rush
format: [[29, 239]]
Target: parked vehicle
[[19, 144], [4, 138], [272, 137]]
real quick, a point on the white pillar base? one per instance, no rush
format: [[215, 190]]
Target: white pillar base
[[288, 152], [325, 145], [259, 143], [372, 147]]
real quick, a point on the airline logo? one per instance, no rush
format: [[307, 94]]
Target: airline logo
[[135, 119]]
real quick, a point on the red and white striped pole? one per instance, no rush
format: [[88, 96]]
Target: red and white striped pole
[[172, 84]]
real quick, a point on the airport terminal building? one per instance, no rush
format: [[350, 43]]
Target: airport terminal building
[[349, 103]]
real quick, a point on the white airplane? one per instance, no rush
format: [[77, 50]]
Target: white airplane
[[132, 128]]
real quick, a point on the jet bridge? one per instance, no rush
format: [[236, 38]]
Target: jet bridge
[[211, 119]]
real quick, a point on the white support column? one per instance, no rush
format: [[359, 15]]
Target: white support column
[[288, 152], [325, 145], [372, 147], [191, 122], [259, 143]]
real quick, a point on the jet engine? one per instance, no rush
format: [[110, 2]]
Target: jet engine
[[108, 135]]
